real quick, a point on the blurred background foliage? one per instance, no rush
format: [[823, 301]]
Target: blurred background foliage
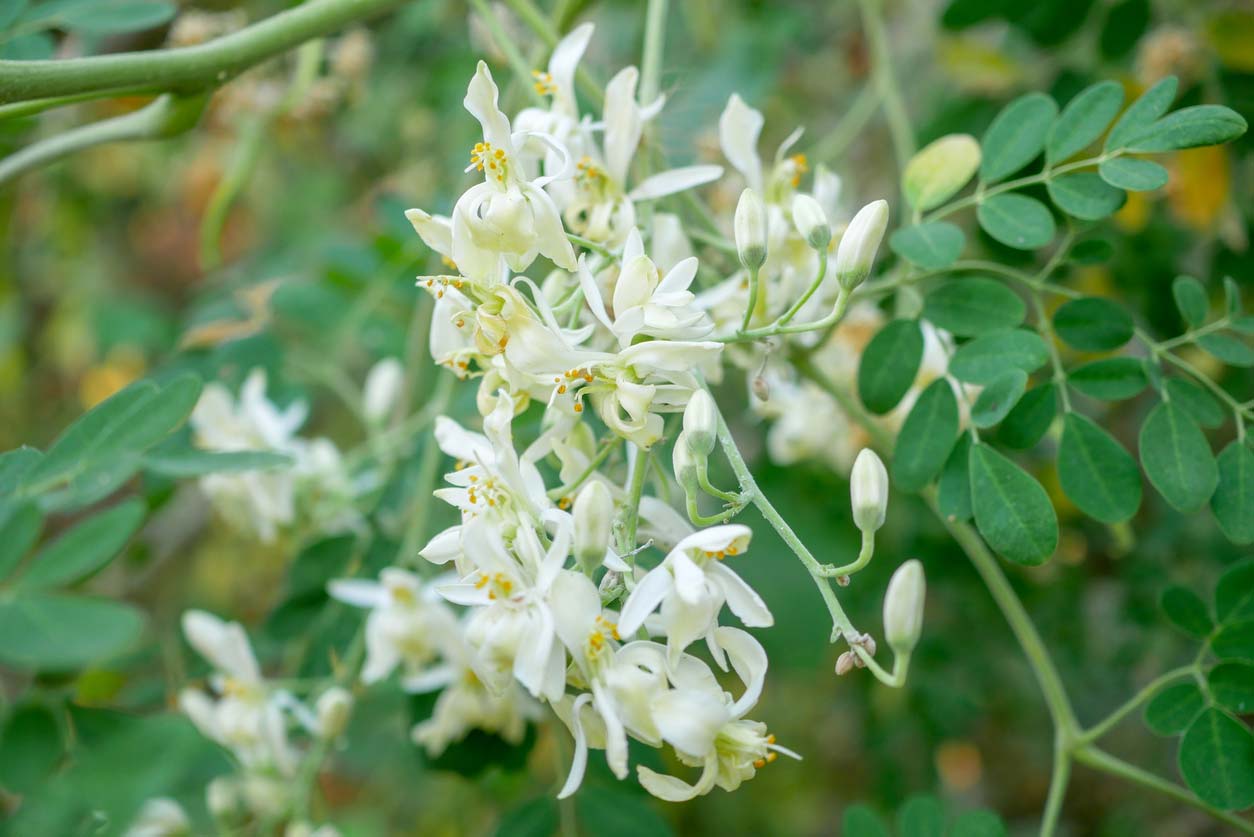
[[273, 236]]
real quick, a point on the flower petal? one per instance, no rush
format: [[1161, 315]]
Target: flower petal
[[676, 180], [739, 128], [741, 598], [643, 600]]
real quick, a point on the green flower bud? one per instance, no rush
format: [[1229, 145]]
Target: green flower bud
[[811, 222], [903, 607], [750, 228], [685, 464], [332, 710], [868, 491], [700, 423], [594, 517], [856, 251]]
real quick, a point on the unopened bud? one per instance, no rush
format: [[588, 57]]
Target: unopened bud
[[333, 709], [383, 387], [700, 422], [846, 663], [749, 225], [903, 607], [811, 222], [868, 491], [858, 245], [594, 517], [761, 388], [685, 465]]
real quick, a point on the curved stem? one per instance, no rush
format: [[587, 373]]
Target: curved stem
[[885, 81], [1152, 688], [184, 68], [805, 297], [752, 306], [864, 557]]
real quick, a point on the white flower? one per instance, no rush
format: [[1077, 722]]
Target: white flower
[[160, 817], [561, 119], [383, 388], [246, 716], [868, 491], [408, 626], [739, 129], [507, 217], [691, 585], [707, 728], [646, 303]]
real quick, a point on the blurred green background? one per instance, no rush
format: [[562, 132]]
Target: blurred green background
[[106, 275]]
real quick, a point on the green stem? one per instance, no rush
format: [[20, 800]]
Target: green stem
[[164, 117], [1103, 761], [565, 490], [864, 557], [1152, 688], [35, 106], [805, 297], [631, 510], [983, 193], [654, 42], [752, 304], [1058, 779], [886, 82], [832, 147], [184, 69], [827, 323], [520, 65]]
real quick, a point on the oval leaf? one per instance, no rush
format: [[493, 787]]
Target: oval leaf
[[1177, 458], [927, 436], [1096, 473], [1234, 595], [938, 171], [1191, 300], [1083, 120], [1174, 708], [931, 246], [1012, 510], [1017, 221], [85, 548], [1085, 195], [889, 365], [1093, 324], [1016, 136], [1190, 127], [968, 307], [1030, 418], [1186, 610], [1233, 500], [998, 398], [56, 632], [1133, 174], [953, 491], [1110, 379], [1230, 349], [1232, 686], [1217, 760], [1197, 402], [1152, 104], [986, 358]]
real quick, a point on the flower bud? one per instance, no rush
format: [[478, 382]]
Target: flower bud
[[750, 228], [811, 222], [685, 465], [857, 246], [594, 518], [846, 663], [383, 386], [333, 709], [761, 388], [868, 491], [903, 607], [223, 799], [700, 422]]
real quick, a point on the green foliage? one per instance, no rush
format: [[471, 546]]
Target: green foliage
[[56, 632], [1017, 221], [987, 357], [973, 306], [1096, 473], [1085, 195], [1016, 136], [998, 398], [1109, 379], [1233, 500], [1177, 458], [1173, 709], [938, 171], [85, 548], [1232, 686], [1031, 417], [1083, 120], [932, 246], [889, 365], [1133, 174], [1012, 510], [927, 436], [1186, 610], [1093, 324], [1217, 760]]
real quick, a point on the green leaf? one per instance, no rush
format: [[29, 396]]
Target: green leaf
[[1231, 350], [20, 523], [1096, 473], [537, 818], [931, 246], [1197, 402], [1133, 174], [1234, 641], [889, 365], [926, 438], [969, 307], [1110, 379], [1217, 760], [1190, 127], [1085, 195], [954, 488], [84, 549], [104, 18], [1017, 221], [998, 398], [1186, 610], [861, 821], [1152, 104], [939, 170], [1177, 458], [196, 463], [1234, 594], [1232, 297], [10, 12], [614, 812], [1191, 300], [1092, 251], [32, 746], [1012, 510], [14, 466], [1093, 324], [160, 415], [1172, 710], [56, 632], [1232, 686], [978, 823], [1030, 418], [921, 816], [985, 358], [1233, 500], [1083, 120], [1016, 136]]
